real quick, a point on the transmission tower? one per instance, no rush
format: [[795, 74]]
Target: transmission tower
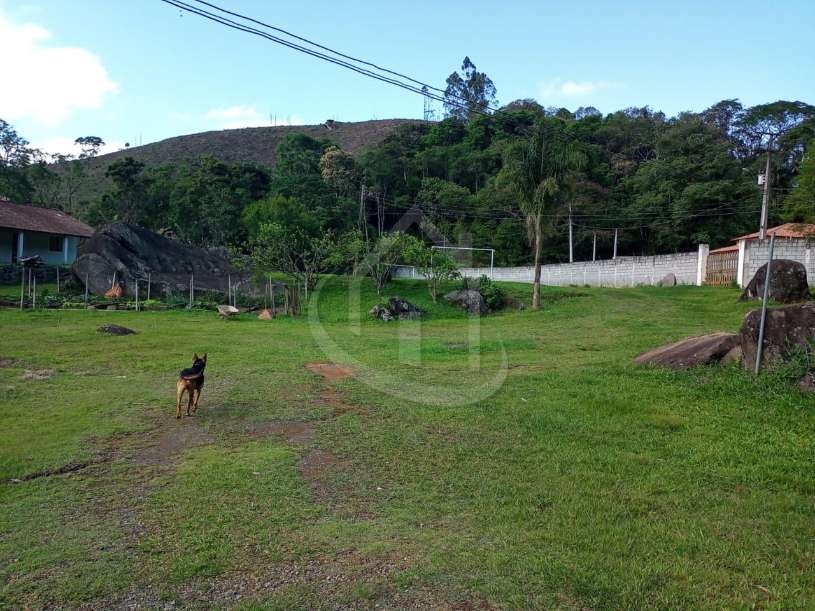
[[429, 113]]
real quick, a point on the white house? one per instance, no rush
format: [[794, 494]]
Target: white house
[[51, 234]]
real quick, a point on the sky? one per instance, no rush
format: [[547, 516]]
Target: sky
[[138, 71]]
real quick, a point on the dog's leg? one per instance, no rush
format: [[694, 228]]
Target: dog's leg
[[197, 396], [191, 394], [179, 392]]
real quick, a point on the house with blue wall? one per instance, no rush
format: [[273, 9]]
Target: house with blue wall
[[26, 231]]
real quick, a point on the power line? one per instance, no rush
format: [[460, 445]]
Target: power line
[[337, 60], [318, 45]]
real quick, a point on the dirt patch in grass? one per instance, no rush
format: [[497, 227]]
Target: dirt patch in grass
[[314, 466], [175, 438], [330, 576], [37, 374], [7, 362], [332, 398], [331, 371], [295, 432]]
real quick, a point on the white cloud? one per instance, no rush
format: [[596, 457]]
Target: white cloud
[[243, 115], [558, 89], [66, 146], [45, 83]]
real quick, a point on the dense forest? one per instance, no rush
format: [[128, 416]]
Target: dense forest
[[483, 176]]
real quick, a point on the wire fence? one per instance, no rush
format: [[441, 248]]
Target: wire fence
[[40, 286]]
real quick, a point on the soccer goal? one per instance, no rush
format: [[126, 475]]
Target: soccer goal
[[470, 257]]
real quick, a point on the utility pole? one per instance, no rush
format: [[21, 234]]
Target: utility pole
[[614, 256], [765, 201], [594, 247], [571, 243]]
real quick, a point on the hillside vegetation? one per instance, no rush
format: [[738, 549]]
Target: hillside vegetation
[[247, 145]]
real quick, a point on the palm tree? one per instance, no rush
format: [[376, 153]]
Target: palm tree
[[537, 170]]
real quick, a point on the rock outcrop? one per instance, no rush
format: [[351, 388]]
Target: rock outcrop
[[691, 351], [134, 252], [788, 282], [468, 299], [787, 329]]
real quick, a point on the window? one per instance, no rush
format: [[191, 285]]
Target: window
[[55, 243]]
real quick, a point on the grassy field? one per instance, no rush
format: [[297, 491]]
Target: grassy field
[[578, 482]]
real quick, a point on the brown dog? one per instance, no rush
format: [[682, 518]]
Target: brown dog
[[191, 381]]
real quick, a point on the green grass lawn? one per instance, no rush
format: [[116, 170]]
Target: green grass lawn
[[579, 482]]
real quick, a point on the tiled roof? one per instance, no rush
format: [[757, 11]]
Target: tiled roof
[[44, 220], [724, 249], [787, 230]]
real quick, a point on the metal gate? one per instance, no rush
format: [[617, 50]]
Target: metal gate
[[722, 266]]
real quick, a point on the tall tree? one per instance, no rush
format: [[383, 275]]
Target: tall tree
[[89, 146], [764, 128], [468, 92], [15, 157], [537, 171], [800, 205]]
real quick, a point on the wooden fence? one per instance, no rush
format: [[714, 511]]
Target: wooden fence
[[722, 267]]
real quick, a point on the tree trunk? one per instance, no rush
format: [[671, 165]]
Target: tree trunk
[[536, 284]]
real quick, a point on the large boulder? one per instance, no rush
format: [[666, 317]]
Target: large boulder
[[691, 351], [787, 329], [788, 282], [468, 299], [133, 252]]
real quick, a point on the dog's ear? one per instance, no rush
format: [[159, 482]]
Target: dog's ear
[[204, 358], [195, 356]]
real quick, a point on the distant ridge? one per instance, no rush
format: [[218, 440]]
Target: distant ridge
[[249, 144]]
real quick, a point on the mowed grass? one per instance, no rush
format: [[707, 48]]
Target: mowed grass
[[522, 462]]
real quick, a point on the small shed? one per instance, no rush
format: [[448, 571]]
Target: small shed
[[27, 231]]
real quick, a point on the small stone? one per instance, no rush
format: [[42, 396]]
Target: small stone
[[807, 383], [667, 280]]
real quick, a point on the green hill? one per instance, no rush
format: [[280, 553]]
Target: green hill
[[251, 144]]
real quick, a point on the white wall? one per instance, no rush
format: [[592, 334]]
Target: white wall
[[620, 272]]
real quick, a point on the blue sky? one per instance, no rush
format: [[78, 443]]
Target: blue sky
[[138, 70]]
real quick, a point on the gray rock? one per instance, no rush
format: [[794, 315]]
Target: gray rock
[[691, 351], [468, 299], [787, 329], [381, 312], [807, 382], [396, 308], [788, 282], [115, 330], [403, 309], [668, 280]]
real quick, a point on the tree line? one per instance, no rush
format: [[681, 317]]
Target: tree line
[[520, 179]]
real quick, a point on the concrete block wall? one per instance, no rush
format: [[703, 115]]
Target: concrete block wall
[[620, 272], [756, 254]]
